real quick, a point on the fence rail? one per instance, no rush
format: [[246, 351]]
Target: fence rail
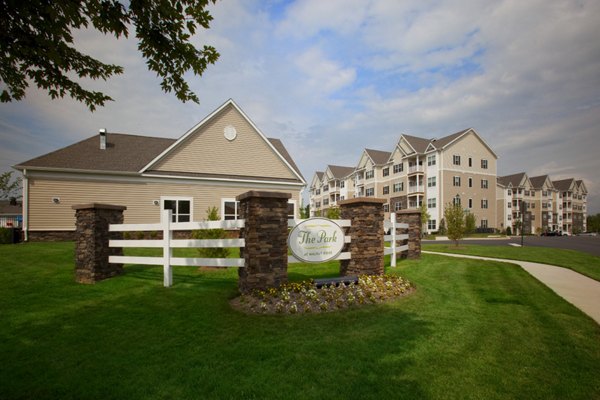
[[392, 225], [11, 222], [167, 243]]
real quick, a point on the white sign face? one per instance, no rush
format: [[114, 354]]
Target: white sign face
[[316, 240]]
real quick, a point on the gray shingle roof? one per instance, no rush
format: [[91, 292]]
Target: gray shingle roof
[[563, 185], [340, 172], [124, 153], [439, 143], [538, 181], [514, 179], [417, 143], [379, 157]]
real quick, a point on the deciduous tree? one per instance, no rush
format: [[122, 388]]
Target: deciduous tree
[[7, 188], [455, 222], [37, 44]]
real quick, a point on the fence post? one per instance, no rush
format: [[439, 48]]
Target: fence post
[[393, 244], [413, 219], [167, 251], [265, 232], [367, 245], [92, 236]]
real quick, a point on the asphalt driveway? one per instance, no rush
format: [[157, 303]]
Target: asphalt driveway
[[586, 244]]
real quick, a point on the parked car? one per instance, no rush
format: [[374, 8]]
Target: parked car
[[552, 233]]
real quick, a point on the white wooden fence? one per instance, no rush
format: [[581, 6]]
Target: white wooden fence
[[167, 243], [393, 237], [10, 222]]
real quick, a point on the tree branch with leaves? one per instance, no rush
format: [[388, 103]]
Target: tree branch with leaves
[[37, 44]]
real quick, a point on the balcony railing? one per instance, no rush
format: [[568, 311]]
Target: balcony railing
[[416, 189], [416, 168]]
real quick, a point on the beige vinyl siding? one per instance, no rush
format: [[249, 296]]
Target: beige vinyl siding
[[207, 151], [138, 197], [475, 193], [470, 146]]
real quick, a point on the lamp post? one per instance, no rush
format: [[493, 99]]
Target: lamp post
[[523, 210]]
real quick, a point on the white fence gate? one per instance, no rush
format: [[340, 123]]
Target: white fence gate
[[167, 243]]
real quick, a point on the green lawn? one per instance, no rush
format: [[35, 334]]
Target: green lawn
[[472, 330], [583, 263]]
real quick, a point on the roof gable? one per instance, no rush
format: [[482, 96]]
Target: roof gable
[[317, 179], [378, 157], [514, 180], [339, 172], [449, 140], [205, 149], [564, 185], [541, 182]]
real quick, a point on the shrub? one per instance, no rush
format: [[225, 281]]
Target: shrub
[[212, 214], [508, 231], [442, 231], [333, 213], [470, 221], [6, 236]]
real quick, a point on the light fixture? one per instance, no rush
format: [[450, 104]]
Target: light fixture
[[56, 200]]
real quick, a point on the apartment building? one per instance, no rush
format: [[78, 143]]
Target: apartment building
[[458, 168], [538, 204], [572, 197], [329, 187]]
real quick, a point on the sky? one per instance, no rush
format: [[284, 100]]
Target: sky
[[330, 78]]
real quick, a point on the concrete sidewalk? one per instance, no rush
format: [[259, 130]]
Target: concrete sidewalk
[[577, 289]]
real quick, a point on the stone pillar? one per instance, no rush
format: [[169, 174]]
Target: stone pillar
[[265, 232], [413, 219], [91, 245], [366, 232]]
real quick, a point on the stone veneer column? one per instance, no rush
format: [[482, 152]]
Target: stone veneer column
[[413, 219], [265, 232], [366, 232], [92, 236]]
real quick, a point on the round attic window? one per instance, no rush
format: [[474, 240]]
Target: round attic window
[[230, 132]]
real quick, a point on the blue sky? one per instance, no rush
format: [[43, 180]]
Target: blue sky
[[332, 77]]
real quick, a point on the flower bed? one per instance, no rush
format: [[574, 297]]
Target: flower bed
[[304, 297]]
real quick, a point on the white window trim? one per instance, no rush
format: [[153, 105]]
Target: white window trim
[[233, 200], [178, 198]]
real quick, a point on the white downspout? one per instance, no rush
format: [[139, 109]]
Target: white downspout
[[25, 205]]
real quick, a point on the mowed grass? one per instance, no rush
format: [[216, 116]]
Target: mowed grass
[[583, 263], [471, 330]]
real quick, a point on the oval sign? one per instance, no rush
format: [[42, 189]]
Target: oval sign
[[316, 240]]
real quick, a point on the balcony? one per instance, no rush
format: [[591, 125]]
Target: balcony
[[416, 189], [416, 169]]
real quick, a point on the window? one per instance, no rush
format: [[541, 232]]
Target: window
[[457, 181], [431, 160], [484, 223], [431, 182], [386, 171], [484, 183], [509, 205], [325, 188], [318, 204], [456, 200], [398, 187], [431, 203], [470, 162], [386, 190], [370, 174], [318, 191], [484, 164], [544, 193], [470, 203], [531, 205], [509, 192], [370, 192], [398, 206], [386, 208], [291, 208], [484, 203], [431, 224], [181, 207], [325, 202], [509, 217], [527, 193], [470, 182], [456, 160], [398, 168], [230, 209]]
